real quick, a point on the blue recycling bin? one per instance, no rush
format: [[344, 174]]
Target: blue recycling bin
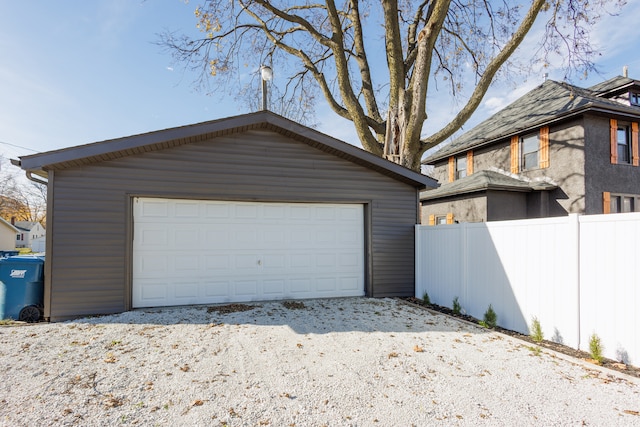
[[22, 288]]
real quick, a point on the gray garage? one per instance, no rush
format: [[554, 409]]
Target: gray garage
[[247, 208]]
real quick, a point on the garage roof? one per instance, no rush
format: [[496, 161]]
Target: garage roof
[[158, 140]]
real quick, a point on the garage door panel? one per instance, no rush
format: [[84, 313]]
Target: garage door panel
[[188, 290], [299, 213], [213, 290], [187, 210], [153, 236], [274, 238], [326, 284], [216, 235], [246, 211], [274, 288], [246, 288], [154, 208], [186, 263], [299, 261], [300, 286], [349, 283], [274, 261], [217, 262], [150, 290], [187, 252], [326, 261], [349, 260], [274, 212], [151, 265]]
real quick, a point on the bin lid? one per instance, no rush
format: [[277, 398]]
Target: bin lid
[[26, 259]]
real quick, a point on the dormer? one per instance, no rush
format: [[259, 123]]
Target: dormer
[[621, 89]]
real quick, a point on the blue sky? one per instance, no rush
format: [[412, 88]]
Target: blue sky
[[79, 71]]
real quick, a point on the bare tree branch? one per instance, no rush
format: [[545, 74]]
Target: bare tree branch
[[325, 47]]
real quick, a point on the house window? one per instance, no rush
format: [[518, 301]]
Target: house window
[[634, 98], [461, 166], [529, 146], [622, 203], [624, 147], [441, 219]]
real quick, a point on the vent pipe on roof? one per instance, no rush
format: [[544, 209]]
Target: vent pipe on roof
[[625, 71], [545, 76]]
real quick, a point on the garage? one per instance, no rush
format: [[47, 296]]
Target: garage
[[200, 252], [247, 208]]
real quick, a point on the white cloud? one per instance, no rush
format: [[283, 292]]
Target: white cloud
[[500, 97]]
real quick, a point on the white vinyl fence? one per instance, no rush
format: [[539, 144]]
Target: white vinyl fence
[[578, 275]]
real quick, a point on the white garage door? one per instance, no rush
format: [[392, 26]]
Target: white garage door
[[200, 252]]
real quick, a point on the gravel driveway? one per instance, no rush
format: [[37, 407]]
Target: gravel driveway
[[356, 361]]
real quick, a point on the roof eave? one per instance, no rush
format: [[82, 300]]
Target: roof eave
[[493, 187], [104, 150]]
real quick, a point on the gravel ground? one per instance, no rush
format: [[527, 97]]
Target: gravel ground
[[341, 362]]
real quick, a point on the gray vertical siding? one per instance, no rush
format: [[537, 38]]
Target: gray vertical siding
[[90, 221]]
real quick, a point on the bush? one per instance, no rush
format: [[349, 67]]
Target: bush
[[456, 306], [535, 331], [596, 348], [490, 318], [425, 299]]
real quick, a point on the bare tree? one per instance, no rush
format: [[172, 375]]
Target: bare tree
[[375, 61], [21, 199]]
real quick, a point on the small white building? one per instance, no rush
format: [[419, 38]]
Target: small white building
[[28, 231]]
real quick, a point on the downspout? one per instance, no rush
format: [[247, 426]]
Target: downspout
[[30, 177], [34, 179], [47, 261]]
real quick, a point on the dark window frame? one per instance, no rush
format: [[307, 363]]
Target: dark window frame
[[624, 148], [617, 203], [525, 143], [440, 220], [634, 98], [461, 173]]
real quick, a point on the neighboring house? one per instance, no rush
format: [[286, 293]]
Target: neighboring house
[[247, 208], [8, 234], [28, 232], [559, 149]]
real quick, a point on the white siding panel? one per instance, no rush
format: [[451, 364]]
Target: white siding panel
[[609, 295], [197, 252], [578, 275]]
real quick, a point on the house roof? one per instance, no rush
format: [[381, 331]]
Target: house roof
[[547, 103], [8, 225], [25, 225], [137, 144], [612, 85], [486, 180]]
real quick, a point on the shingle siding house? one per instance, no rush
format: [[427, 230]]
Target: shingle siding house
[[246, 208], [559, 149]]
